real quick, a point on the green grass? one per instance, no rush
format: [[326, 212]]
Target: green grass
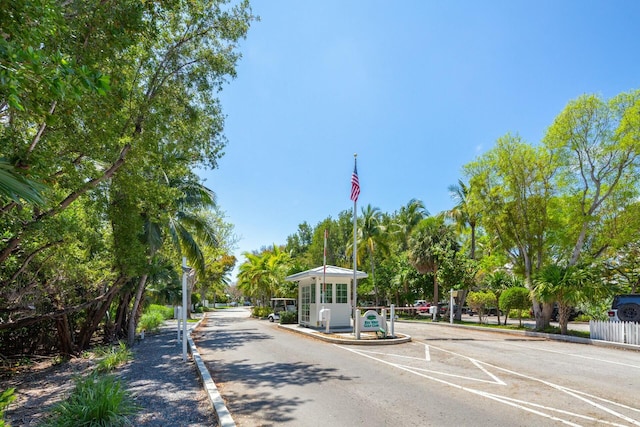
[[112, 357], [6, 397], [150, 321], [96, 400]]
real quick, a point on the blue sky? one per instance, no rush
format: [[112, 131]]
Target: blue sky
[[417, 88]]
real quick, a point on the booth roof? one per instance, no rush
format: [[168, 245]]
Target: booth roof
[[332, 271]]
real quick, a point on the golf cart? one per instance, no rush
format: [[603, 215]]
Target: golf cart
[[281, 304]]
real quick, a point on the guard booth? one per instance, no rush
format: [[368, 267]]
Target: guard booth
[[335, 295]]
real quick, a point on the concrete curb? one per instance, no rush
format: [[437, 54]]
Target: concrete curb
[[319, 335], [219, 407]]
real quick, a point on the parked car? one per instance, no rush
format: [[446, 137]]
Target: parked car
[[625, 308], [492, 311], [556, 311], [423, 307]]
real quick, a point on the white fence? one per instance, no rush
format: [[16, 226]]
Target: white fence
[[622, 332]]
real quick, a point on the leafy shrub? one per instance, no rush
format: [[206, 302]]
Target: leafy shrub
[[6, 397], [516, 298], [288, 317], [166, 312], [260, 311], [96, 400], [113, 357], [583, 318], [150, 321], [513, 314], [479, 301]]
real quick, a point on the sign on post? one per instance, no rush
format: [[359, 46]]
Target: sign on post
[[371, 321]]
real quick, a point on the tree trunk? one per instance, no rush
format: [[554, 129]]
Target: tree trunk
[[96, 314], [435, 289], [121, 315], [563, 317], [65, 342], [133, 317]]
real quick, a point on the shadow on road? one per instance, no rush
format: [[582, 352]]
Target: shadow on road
[[274, 410], [274, 375]]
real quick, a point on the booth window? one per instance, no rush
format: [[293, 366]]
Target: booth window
[[328, 289], [306, 300], [341, 293]]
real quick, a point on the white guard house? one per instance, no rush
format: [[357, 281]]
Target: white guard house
[[338, 296]]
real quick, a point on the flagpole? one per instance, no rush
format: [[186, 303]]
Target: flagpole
[[324, 270], [355, 259], [355, 192]]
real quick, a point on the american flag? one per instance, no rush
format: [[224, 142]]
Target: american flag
[[355, 183]]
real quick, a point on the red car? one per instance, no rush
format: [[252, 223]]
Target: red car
[[423, 307]]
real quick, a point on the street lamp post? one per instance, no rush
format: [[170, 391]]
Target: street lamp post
[[185, 273]]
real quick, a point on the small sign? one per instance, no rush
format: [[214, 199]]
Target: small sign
[[370, 321]]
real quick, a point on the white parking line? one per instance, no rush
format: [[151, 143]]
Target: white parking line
[[611, 362], [523, 405]]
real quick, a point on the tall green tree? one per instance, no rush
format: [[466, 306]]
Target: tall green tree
[[261, 275], [371, 241], [92, 100], [513, 186], [465, 212], [406, 220], [597, 143], [431, 241]]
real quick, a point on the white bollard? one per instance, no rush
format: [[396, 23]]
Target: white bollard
[[393, 319]]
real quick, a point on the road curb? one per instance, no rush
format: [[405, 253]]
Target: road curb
[[319, 335], [219, 408]]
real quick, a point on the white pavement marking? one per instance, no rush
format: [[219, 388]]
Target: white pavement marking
[[523, 405], [612, 362], [575, 393]]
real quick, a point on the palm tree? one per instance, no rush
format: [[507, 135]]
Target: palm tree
[[407, 219], [15, 187], [569, 287], [261, 275], [187, 226], [370, 238], [463, 213], [429, 243]]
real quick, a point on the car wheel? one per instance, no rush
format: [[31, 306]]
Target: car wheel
[[271, 319], [629, 312]]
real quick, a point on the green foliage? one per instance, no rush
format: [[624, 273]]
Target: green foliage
[[6, 397], [261, 275], [516, 299], [522, 314], [112, 357], [97, 400], [150, 321], [480, 301], [260, 312], [165, 312], [114, 106], [288, 317]]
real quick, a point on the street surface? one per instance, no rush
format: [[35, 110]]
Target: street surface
[[445, 377]]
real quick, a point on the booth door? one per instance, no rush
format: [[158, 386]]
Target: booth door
[[305, 304]]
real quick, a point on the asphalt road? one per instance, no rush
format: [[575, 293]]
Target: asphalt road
[[445, 377]]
